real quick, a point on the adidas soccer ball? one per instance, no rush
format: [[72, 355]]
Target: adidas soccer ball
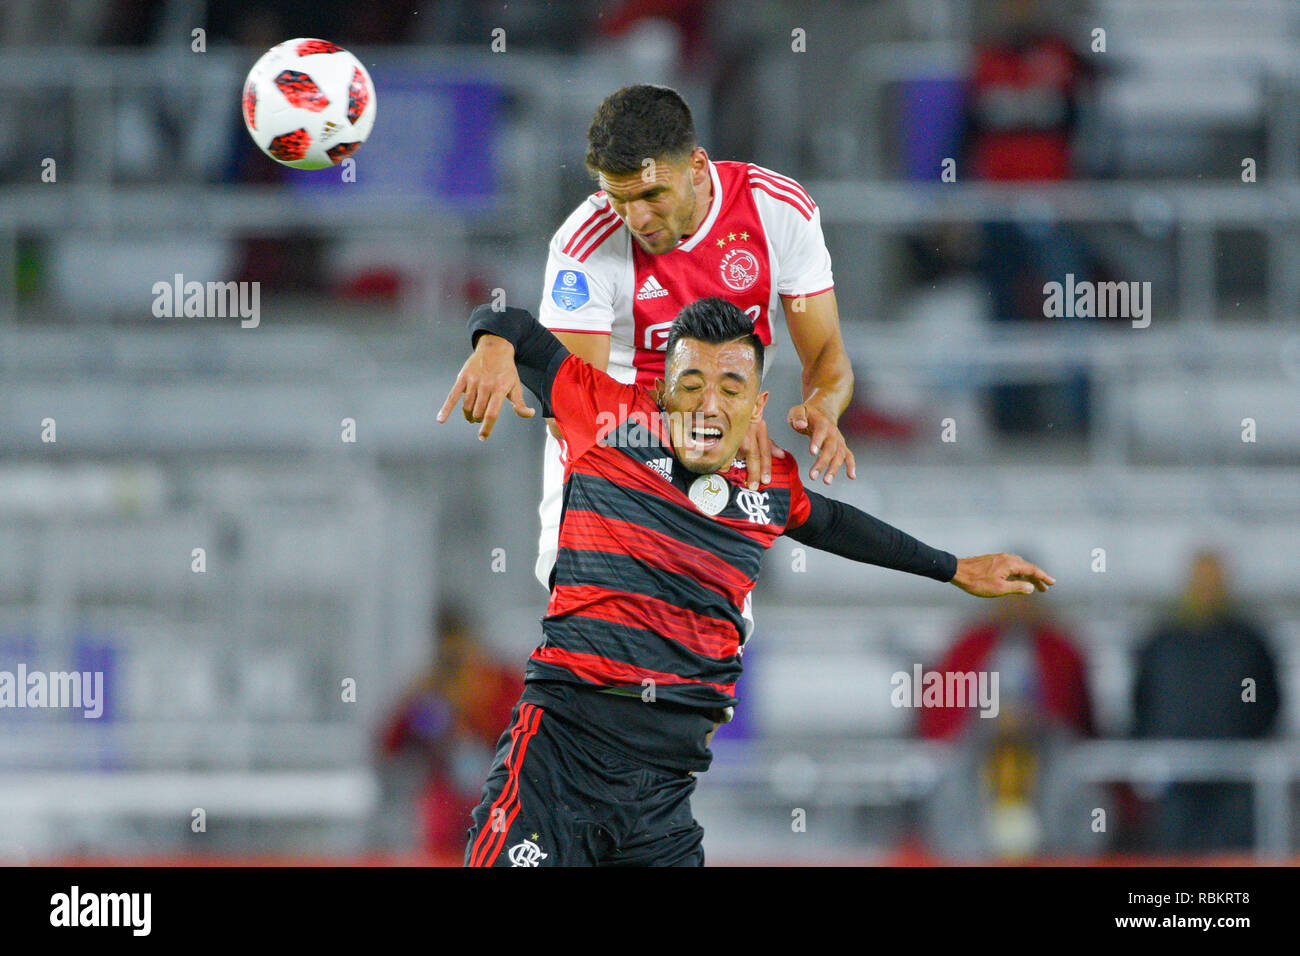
[[308, 103]]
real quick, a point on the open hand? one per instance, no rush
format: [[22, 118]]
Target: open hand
[[488, 379], [996, 575], [757, 450], [825, 441]]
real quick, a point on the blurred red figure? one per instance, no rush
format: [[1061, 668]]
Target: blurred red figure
[[450, 721], [1052, 686], [1025, 89], [1002, 794]]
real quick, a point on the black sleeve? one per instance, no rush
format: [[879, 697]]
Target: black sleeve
[[538, 353], [851, 533]]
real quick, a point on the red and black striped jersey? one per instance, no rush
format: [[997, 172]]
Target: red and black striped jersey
[[655, 561]]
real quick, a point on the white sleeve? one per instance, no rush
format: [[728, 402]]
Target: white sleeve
[[803, 264], [806, 262], [577, 296]]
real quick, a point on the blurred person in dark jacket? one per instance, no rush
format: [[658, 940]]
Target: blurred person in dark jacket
[[448, 724], [1205, 672]]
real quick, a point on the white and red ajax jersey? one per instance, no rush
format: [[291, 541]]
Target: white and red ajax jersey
[[761, 239]]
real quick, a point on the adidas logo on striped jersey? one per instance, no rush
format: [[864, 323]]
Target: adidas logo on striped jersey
[[651, 289], [663, 466]]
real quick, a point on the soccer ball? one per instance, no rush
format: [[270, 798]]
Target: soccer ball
[[308, 103]]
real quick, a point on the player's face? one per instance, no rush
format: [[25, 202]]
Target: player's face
[[659, 204], [711, 394]]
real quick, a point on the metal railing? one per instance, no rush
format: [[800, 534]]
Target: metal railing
[[886, 772]]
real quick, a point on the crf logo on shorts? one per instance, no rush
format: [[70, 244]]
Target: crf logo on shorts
[[526, 853]]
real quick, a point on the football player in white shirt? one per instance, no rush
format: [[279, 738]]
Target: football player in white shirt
[[669, 226]]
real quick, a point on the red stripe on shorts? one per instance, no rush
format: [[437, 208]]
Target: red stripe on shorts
[[506, 806]]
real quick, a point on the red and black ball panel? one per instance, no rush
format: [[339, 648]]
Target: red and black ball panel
[[358, 96], [250, 105], [290, 146], [308, 47], [341, 152], [301, 91]]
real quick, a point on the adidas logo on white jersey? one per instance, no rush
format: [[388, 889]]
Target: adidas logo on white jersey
[[651, 289], [663, 466]]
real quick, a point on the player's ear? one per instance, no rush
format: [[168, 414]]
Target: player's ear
[[660, 393], [699, 165], [759, 403]]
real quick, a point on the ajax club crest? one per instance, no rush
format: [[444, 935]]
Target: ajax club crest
[[739, 269]]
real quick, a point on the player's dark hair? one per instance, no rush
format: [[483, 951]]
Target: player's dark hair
[[715, 321], [638, 123]]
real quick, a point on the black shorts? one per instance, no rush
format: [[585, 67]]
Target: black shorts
[[556, 797]]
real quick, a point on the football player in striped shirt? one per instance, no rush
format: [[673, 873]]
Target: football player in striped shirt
[[660, 542]]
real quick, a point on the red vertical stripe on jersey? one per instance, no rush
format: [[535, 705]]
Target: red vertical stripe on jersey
[[786, 198], [785, 182], [612, 228], [490, 840], [594, 223]]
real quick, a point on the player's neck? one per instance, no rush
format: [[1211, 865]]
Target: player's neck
[[703, 200]]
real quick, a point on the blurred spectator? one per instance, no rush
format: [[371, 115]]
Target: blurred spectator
[[1024, 95], [448, 724], [1002, 795], [1025, 88], [1040, 671], [662, 36], [1189, 686]]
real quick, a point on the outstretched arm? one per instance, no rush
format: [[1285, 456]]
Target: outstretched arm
[[849, 532], [511, 350]]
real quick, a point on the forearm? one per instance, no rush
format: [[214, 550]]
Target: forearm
[[828, 380], [537, 353], [849, 532]]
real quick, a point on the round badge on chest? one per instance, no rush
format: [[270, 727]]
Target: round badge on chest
[[710, 493]]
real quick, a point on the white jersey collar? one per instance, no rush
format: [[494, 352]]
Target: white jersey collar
[[715, 204]]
